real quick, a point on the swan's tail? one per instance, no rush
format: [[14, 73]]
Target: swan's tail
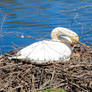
[[13, 57]]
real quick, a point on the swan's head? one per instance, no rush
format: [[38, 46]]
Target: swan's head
[[59, 31]]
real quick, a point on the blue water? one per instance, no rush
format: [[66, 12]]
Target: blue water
[[37, 18]]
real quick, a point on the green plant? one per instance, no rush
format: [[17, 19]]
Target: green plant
[[53, 90]]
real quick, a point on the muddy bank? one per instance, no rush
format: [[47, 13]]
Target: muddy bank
[[72, 76]]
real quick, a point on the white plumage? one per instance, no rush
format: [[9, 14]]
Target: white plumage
[[58, 48]]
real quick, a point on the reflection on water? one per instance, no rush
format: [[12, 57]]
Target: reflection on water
[[37, 18]]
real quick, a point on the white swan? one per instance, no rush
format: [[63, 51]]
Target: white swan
[[59, 48]]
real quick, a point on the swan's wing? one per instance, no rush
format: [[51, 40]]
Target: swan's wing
[[44, 51]]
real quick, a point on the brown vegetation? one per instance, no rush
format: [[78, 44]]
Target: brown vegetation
[[72, 76]]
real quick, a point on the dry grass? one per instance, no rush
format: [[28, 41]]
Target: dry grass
[[73, 76]]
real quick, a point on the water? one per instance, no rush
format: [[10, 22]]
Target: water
[[37, 18]]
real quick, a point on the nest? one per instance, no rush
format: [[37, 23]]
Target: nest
[[72, 76]]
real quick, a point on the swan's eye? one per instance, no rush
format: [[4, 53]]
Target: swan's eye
[[72, 44]]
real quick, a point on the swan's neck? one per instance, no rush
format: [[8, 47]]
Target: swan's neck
[[66, 40], [55, 35], [59, 37], [57, 32]]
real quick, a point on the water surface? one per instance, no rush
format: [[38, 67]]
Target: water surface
[[37, 18]]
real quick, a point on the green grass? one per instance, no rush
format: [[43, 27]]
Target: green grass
[[53, 90]]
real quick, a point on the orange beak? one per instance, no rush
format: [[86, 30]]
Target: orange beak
[[72, 44]]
